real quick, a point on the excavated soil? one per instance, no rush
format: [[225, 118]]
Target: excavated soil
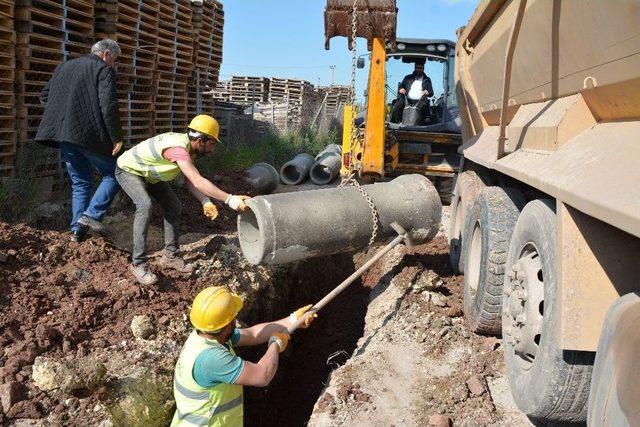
[[379, 341]]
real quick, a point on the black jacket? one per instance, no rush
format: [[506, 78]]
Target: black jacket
[[81, 106], [410, 78]]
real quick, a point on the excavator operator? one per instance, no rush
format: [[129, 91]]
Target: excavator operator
[[416, 89]]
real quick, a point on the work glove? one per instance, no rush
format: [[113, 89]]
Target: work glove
[[237, 202], [210, 210], [299, 313], [280, 338]]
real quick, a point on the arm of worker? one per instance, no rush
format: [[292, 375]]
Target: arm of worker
[[208, 208], [108, 98], [260, 374], [207, 188], [427, 88], [261, 333]]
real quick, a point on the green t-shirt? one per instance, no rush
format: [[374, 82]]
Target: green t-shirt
[[217, 365]]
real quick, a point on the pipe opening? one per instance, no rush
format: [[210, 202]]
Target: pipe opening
[[290, 174], [321, 174], [251, 239]]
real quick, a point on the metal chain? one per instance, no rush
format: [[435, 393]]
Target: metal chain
[[350, 179]]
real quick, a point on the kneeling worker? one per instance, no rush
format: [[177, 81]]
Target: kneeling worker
[[209, 376], [144, 171]]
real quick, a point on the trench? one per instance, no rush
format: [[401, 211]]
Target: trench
[[313, 353]]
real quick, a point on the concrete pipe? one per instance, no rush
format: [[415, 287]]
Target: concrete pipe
[[326, 168], [287, 227], [296, 171], [263, 177], [331, 148]]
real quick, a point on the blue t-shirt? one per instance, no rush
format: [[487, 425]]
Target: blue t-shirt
[[217, 365]]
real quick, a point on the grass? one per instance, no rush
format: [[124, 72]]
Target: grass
[[273, 149]]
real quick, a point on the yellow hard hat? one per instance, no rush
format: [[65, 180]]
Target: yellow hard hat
[[213, 308], [205, 124]]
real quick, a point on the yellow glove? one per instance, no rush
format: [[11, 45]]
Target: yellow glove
[[293, 317], [280, 338], [210, 210]]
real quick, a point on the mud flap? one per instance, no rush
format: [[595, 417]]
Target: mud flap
[[615, 389]]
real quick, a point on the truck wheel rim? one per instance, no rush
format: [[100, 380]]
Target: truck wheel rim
[[475, 259], [524, 306]]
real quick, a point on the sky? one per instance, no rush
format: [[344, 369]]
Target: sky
[[285, 38]]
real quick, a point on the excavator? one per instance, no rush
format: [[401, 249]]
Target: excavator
[[375, 148]]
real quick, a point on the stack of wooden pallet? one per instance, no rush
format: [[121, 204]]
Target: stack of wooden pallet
[[298, 95], [47, 33], [8, 125], [247, 90], [222, 91], [134, 25], [337, 97], [208, 23], [225, 112]]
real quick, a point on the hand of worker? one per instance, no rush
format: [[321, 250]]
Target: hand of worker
[[237, 202], [299, 313], [280, 338], [402, 91], [116, 148], [210, 210]]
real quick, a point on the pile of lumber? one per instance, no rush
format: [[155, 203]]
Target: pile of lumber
[[208, 22], [222, 91], [8, 125], [290, 90], [247, 90], [47, 33], [336, 98]]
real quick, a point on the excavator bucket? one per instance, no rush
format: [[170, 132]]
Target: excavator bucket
[[374, 18]]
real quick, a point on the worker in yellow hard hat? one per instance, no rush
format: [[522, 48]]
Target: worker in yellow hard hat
[[209, 376], [144, 171]]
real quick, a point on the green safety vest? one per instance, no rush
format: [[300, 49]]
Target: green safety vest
[[220, 405], [145, 159]]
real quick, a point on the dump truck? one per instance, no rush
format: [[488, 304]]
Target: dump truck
[[545, 216]]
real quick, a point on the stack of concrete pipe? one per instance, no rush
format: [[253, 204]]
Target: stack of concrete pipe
[[263, 177], [327, 165]]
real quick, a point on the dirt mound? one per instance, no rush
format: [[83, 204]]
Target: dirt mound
[[68, 300]]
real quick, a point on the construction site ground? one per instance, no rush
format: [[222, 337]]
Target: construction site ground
[[391, 350]]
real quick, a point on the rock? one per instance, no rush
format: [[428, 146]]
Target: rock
[[428, 281], [142, 327], [84, 373], [438, 299], [3, 257], [26, 409], [491, 343], [440, 420], [476, 386], [454, 311], [11, 393], [145, 397]]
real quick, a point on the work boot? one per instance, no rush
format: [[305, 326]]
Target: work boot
[[92, 224], [143, 275], [175, 263], [78, 235]]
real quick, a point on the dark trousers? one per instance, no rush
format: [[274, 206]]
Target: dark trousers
[[398, 108], [141, 193]]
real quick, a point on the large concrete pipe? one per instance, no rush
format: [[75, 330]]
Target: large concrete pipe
[[296, 171], [327, 165], [263, 177], [281, 228]]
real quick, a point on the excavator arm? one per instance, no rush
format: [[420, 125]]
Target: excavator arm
[[375, 21]]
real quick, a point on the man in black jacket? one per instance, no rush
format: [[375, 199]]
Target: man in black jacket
[[82, 119], [417, 87]]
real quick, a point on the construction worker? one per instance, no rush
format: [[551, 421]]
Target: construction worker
[[82, 119], [209, 376], [145, 170], [415, 88]]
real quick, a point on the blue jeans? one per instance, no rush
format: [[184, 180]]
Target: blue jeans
[[80, 165]]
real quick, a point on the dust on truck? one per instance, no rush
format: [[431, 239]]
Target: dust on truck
[[545, 218]]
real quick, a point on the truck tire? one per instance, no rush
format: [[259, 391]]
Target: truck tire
[[488, 227], [466, 189], [547, 383]]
